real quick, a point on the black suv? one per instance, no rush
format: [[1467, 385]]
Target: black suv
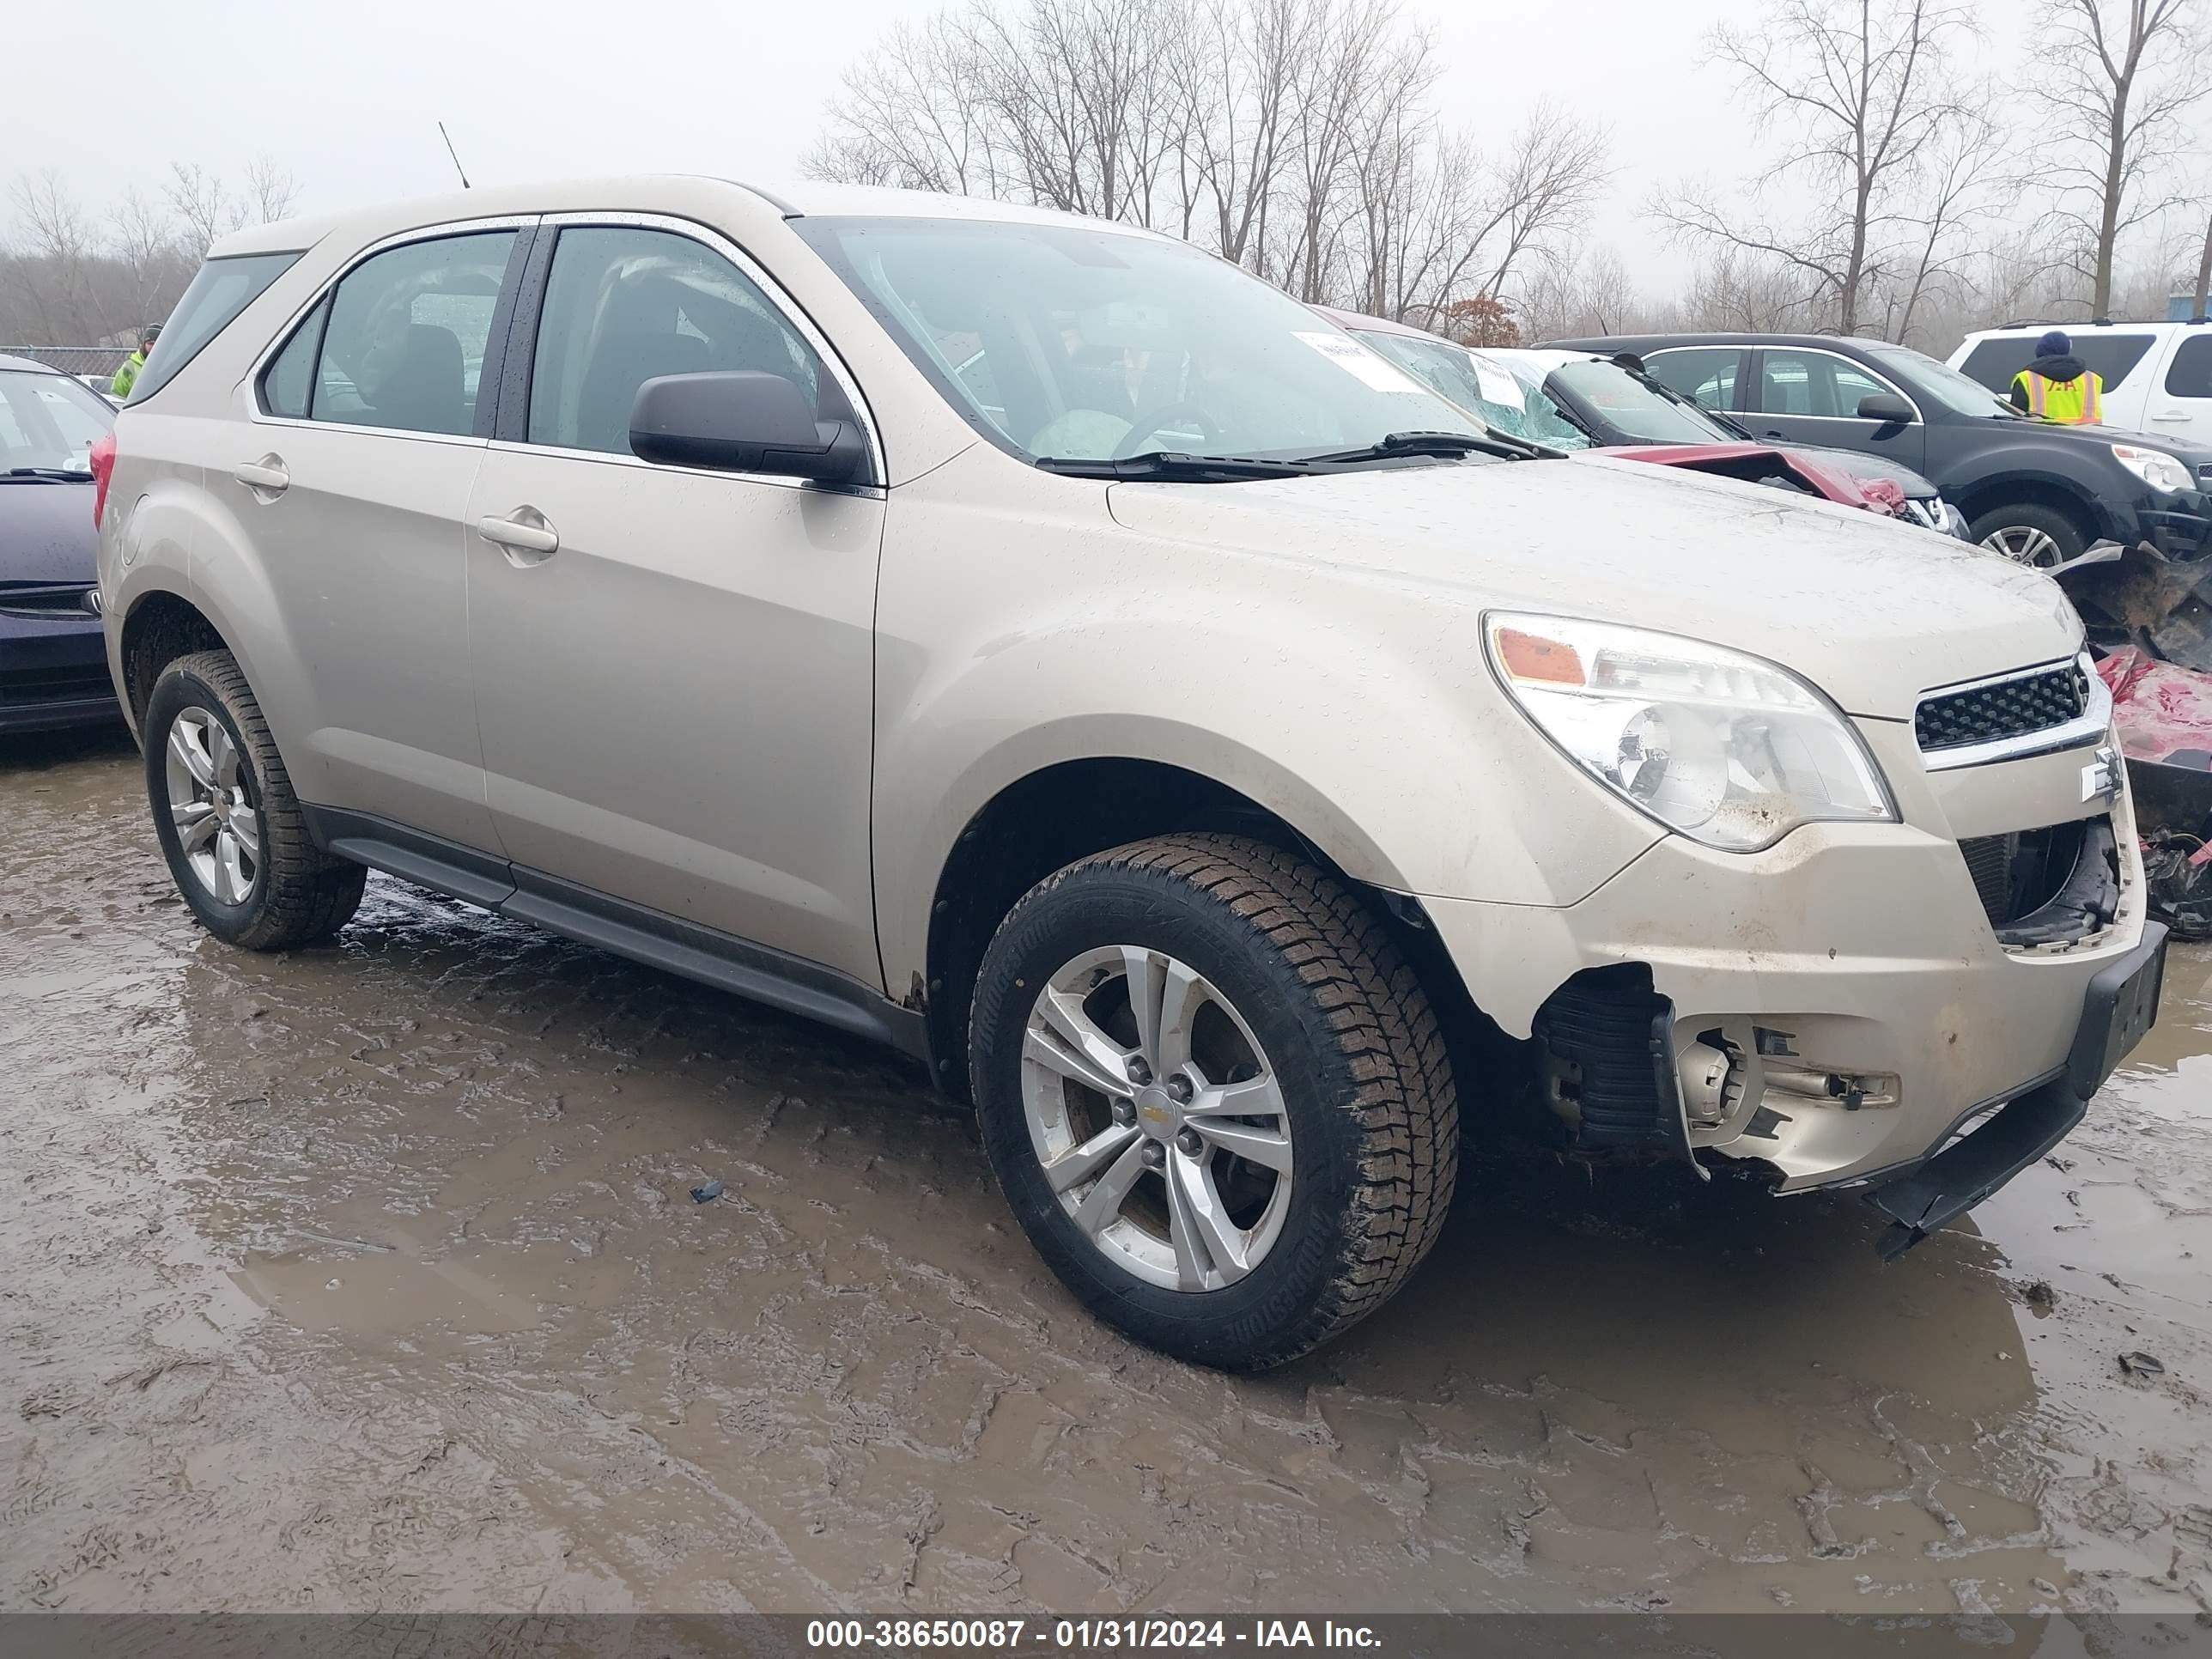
[[2037, 492]]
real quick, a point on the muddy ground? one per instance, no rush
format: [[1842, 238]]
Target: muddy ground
[[367, 1277]]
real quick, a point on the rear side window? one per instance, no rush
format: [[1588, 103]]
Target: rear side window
[[1705, 375], [223, 289], [401, 339], [2189, 374], [1994, 362]]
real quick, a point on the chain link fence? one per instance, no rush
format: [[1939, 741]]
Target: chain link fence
[[97, 362]]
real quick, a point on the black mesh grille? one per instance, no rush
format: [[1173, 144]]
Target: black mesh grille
[[2010, 708]]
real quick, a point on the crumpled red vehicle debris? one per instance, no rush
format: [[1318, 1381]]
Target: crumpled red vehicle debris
[[2163, 711], [1758, 464]]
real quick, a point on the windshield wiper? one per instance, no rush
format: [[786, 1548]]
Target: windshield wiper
[[1160, 464], [1491, 441], [49, 474]]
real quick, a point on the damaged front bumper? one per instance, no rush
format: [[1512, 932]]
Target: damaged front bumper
[[1843, 1008], [2121, 1006]]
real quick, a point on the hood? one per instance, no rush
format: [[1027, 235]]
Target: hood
[[1872, 611], [1856, 464], [46, 532], [2066, 367]]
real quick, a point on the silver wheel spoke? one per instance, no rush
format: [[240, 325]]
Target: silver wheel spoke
[[186, 743], [196, 829], [1109, 1061], [246, 824], [1102, 1203], [1262, 1146], [1070, 1063], [1254, 1097], [1163, 996], [224, 755], [1078, 1164], [1204, 1238], [230, 864]]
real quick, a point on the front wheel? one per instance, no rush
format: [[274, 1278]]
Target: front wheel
[[2041, 537], [235, 839], [1215, 1096]]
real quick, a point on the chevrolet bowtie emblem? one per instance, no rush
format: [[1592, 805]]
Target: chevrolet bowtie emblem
[[2100, 778]]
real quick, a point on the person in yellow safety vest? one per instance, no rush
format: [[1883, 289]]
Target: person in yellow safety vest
[[119, 387], [2059, 385]]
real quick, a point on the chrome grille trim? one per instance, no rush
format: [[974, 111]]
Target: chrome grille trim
[[2090, 727]]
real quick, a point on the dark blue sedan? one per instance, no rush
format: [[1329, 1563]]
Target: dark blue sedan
[[53, 666]]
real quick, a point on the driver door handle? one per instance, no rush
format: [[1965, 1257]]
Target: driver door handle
[[525, 531], [266, 476]]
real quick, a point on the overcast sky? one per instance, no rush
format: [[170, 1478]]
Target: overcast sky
[[348, 96]]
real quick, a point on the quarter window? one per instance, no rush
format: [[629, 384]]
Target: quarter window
[[2189, 374], [624, 305], [1705, 375], [402, 338]]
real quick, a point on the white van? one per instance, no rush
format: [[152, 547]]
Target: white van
[[2158, 376]]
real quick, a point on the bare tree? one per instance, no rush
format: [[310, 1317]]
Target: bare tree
[[2118, 77], [1855, 88], [201, 202], [269, 192], [2203, 276], [51, 263]]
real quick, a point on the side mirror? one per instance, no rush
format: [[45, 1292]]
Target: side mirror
[[1887, 407], [742, 421]]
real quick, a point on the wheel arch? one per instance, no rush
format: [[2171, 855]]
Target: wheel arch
[[1063, 810], [161, 626], [2061, 495]]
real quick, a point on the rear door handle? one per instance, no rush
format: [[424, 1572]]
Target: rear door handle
[[524, 531], [265, 477], [2171, 414]]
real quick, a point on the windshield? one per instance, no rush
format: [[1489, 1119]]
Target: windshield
[[1059, 342], [1483, 384], [1959, 393], [48, 422], [1562, 399]]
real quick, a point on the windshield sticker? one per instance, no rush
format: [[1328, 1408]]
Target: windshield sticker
[[1356, 360], [1498, 385]]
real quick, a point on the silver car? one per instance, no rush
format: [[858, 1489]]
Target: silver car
[[1046, 648]]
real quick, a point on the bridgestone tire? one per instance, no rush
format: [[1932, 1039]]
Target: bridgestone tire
[[300, 893], [1351, 1038]]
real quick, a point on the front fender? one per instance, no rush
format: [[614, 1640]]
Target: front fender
[[1356, 707]]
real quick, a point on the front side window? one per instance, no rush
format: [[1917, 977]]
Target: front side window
[[403, 342], [1063, 342], [625, 305], [1815, 383], [1705, 375], [223, 289], [48, 423], [1939, 383]]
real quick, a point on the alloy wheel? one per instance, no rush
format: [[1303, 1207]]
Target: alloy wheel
[[2026, 544], [211, 804], [1157, 1118]]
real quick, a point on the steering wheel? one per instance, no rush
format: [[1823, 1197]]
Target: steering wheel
[[1150, 420]]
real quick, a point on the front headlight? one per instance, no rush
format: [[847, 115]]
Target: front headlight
[[2153, 467], [1732, 750]]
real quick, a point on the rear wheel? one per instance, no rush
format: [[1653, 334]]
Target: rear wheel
[[1215, 1096], [235, 839], [2030, 534]]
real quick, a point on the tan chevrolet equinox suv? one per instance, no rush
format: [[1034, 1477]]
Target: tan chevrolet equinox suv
[[1044, 647]]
